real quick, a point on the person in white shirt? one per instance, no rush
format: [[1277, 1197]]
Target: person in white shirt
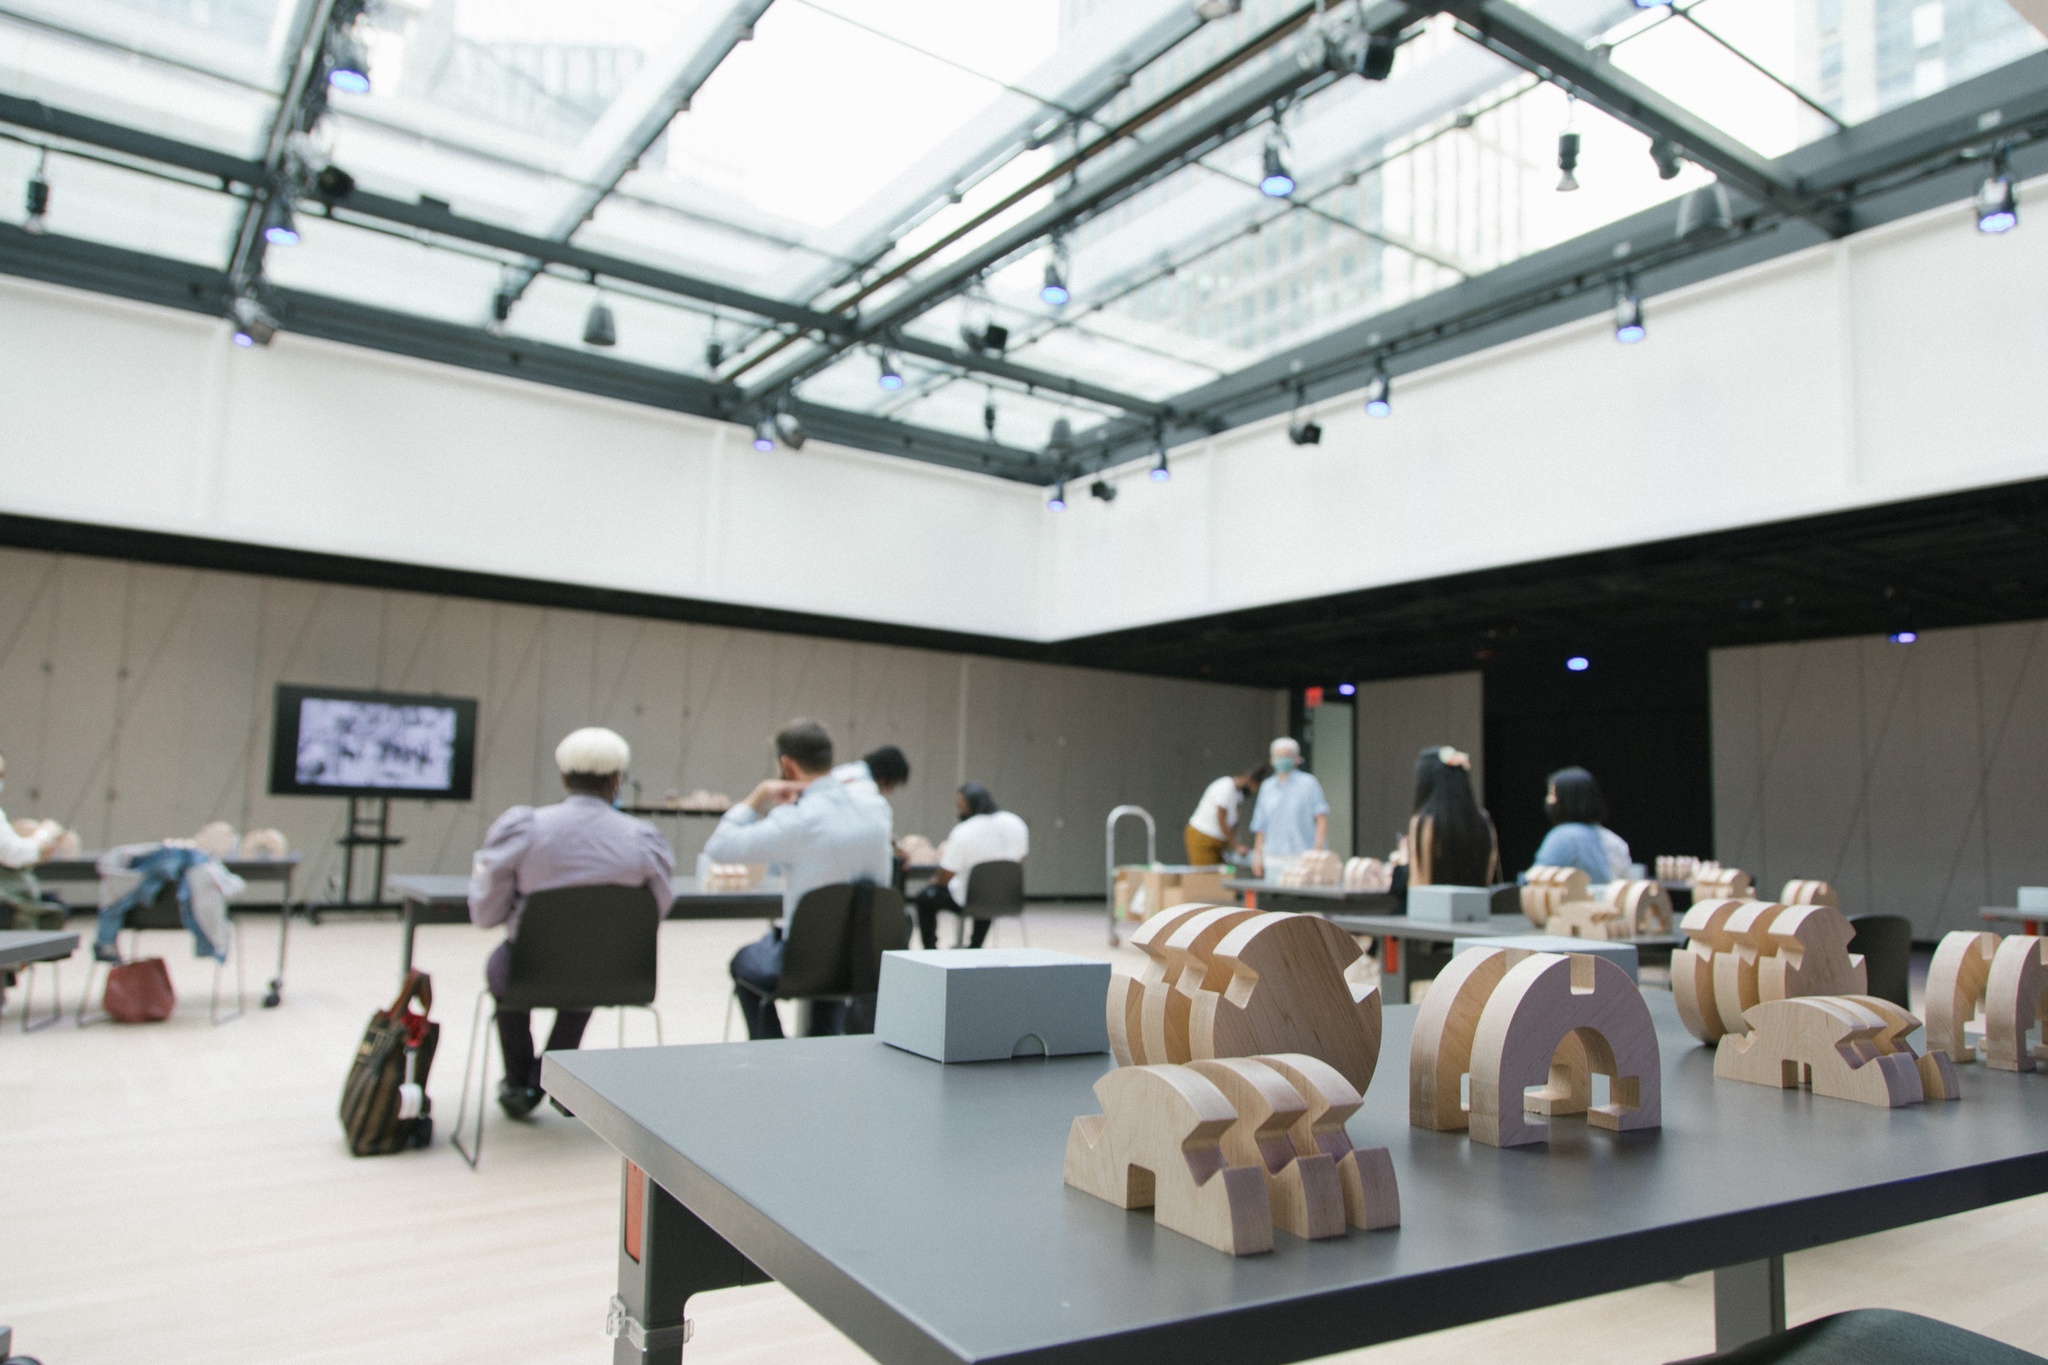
[[1212, 829], [875, 777], [21, 902], [986, 834]]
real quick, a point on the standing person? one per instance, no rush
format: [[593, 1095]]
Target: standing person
[[1578, 835], [21, 898], [821, 831], [876, 776], [986, 834], [1291, 816], [581, 840], [1211, 832], [1450, 840]]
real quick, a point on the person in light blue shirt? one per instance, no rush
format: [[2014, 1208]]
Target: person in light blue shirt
[[820, 832], [1291, 816], [1578, 837]]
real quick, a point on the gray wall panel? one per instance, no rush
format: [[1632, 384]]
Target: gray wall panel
[[1395, 719]]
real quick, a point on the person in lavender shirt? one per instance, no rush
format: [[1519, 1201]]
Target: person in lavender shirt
[[578, 841]]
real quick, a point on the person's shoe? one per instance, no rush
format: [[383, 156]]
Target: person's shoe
[[106, 952], [519, 1100]]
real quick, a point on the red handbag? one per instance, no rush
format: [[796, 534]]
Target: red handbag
[[140, 992]]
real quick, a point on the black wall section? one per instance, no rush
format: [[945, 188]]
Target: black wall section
[[1638, 719]]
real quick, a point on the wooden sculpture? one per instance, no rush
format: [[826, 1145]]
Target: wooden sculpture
[[1809, 954], [1692, 967], [1440, 1050], [1735, 971], [1808, 893], [1546, 888], [1125, 1007], [1955, 990], [1552, 1021], [1711, 881], [1366, 1175], [1845, 1047], [1301, 1187], [1645, 906], [1158, 1144], [1276, 983], [1190, 966], [2015, 999], [1598, 919]]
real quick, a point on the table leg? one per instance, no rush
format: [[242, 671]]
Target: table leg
[[1393, 972], [666, 1254], [410, 928], [1749, 1302], [284, 934]]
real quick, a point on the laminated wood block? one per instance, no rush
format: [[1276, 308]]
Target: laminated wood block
[[1808, 954], [1158, 1144], [1645, 906], [1302, 1187], [1622, 955], [2015, 999], [1597, 920], [1735, 969], [1125, 1007], [1164, 1017], [1937, 1069], [1551, 1022], [1832, 1045], [1276, 983], [1808, 893], [1440, 1050], [1372, 1199], [1692, 967], [1955, 990], [1546, 888]]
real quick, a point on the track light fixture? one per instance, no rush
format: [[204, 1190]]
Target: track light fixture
[[1379, 393], [254, 324], [1652, 4], [348, 70], [1217, 9], [1160, 473], [1567, 161], [599, 327], [280, 224], [1998, 205], [1704, 213], [1628, 314], [764, 434], [1058, 501], [1305, 433], [1274, 181], [791, 429], [37, 199], [501, 312], [1664, 152], [988, 415], [890, 378], [1054, 291], [1102, 489], [1376, 58]]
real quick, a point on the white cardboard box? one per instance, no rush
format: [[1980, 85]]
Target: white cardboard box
[[1450, 904], [987, 1004], [1622, 955], [2034, 898]]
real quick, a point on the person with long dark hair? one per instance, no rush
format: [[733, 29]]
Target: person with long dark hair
[[1451, 841], [1578, 835]]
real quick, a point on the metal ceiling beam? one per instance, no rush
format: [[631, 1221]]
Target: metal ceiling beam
[[309, 47], [1591, 75], [1029, 376]]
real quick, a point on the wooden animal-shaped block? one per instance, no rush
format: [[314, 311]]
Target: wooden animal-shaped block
[[1692, 967], [1645, 906], [1551, 1022], [1808, 893], [1158, 1144], [1546, 888], [1956, 979], [1711, 881], [1189, 950], [2015, 999], [1125, 1006], [1275, 983], [1587, 919], [1808, 947], [1835, 1045], [1937, 1070], [1440, 1049], [1372, 1200], [1302, 1187]]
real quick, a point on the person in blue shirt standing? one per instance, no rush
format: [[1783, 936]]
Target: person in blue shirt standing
[[1292, 816], [1578, 836]]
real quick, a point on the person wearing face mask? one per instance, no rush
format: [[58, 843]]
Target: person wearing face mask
[[1291, 816], [1578, 835]]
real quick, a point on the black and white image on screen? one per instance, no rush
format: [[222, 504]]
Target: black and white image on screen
[[375, 744]]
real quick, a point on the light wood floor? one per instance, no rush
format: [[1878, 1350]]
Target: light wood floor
[[179, 1193]]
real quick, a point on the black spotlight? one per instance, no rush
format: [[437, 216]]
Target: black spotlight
[[1305, 433], [37, 202], [599, 327], [1665, 154], [1103, 489], [714, 353], [501, 311], [995, 337], [1376, 58], [333, 183], [1568, 160]]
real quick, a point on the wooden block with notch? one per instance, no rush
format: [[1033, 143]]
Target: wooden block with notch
[[1808, 893], [1830, 1044], [1645, 906], [1937, 1070], [1372, 1199], [1956, 979], [1276, 984], [1599, 920], [1440, 1050], [1306, 1197], [1544, 889], [1158, 1143], [1808, 954], [1188, 949], [1692, 967], [1551, 1022], [2015, 999], [1124, 1009], [1735, 970]]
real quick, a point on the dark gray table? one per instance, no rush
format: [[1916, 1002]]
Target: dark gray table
[[2029, 921], [440, 898], [1407, 943], [26, 948], [1317, 900], [920, 1209]]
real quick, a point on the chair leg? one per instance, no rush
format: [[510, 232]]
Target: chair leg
[[1022, 932], [732, 1004], [213, 1013], [28, 996], [92, 971], [475, 1151]]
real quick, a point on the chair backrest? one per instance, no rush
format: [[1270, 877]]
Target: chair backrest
[[1886, 943], [584, 947], [995, 889], [814, 943], [878, 921], [161, 913]]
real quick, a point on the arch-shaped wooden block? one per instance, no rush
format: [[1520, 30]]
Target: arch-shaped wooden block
[[1125, 1006], [1276, 984], [1831, 1044], [1806, 892], [1158, 1143], [2015, 998], [1808, 954], [1645, 906], [1302, 1187], [1552, 1021], [1189, 949], [1440, 1050], [1692, 967], [1956, 979], [1372, 1199], [1735, 969]]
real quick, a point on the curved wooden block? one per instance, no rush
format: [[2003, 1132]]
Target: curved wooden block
[[2015, 997], [1937, 1070], [1440, 1050], [1276, 984], [1808, 893], [1692, 967], [1544, 889], [1302, 1187], [1587, 919], [1808, 954], [1186, 951], [1158, 1143], [1552, 1020], [1125, 1006], [1645, 906], [1120, 1011], [1372, 1199], [1955, 990], [1829, 1043], [1735, 970]]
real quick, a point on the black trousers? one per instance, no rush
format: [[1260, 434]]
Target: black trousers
[[930, 902], [515, 1027]]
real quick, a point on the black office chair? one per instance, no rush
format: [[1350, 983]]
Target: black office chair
[[162, 914], [994, 891], [832, 947], [578, 948], [1873, 1336], [1886, 943]]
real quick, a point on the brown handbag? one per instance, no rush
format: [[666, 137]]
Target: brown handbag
[[140, 992], [384, 1103]]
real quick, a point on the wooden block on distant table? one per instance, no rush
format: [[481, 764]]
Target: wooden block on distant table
[[986, 1004], [1692, 967], [1440, 1049], [1450, 904], [1622, 955], [1955, 989], [1834, 1045], [2015, 999]]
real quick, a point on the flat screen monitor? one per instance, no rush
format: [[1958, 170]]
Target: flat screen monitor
[[329, 741]]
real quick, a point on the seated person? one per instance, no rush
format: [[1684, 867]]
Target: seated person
[[1291, 816], [1451, 840], [1578, 837], [875, 776], [986, 834], [579, 841], [21, 898], [821, 832]]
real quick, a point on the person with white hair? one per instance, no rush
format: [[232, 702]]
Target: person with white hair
[[1292, 816], [579, 841]]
